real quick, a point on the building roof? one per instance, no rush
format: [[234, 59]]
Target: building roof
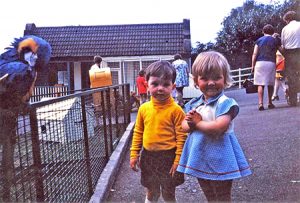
[[116, 40]]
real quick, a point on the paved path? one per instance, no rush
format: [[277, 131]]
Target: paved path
[[271, 142]]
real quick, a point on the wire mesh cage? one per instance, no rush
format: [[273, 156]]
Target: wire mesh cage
[[58, 151]]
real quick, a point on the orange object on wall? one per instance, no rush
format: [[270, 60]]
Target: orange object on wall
[[100, 77]]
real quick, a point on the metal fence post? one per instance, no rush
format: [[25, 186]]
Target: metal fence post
[[117, 97], [36, 153], [124, 103], [86, 147], [240, 78], [104, 125], [127, 103], [108, 110]]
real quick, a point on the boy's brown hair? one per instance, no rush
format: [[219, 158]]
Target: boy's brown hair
[[161, 69]]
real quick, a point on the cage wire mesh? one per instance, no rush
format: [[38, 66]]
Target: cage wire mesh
[[61, 149]]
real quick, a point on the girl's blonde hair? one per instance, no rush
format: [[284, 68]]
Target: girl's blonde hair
[[210, 63]]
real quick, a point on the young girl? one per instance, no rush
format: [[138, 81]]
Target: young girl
[[212, 153], [279, 79]]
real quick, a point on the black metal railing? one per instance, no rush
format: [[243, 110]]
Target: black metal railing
[[60, 148], [41, 92]]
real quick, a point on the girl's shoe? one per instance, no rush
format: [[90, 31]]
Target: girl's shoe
[[271, 106], [261, 107], [275, 98]]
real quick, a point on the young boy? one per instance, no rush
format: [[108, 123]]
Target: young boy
[[158, 135]]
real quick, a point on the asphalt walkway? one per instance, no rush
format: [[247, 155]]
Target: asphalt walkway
[[271, 142]]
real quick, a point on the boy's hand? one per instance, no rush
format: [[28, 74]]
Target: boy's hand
[[134, 163], [173, 169]]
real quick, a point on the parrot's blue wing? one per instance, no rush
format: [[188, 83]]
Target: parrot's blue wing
[[20, 77], [16, 84]]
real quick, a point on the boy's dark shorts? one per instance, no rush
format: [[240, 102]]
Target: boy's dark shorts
[[155, 168]]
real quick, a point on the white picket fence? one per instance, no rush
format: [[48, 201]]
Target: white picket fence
[[238, 75]]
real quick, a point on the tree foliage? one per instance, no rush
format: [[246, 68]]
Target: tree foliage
[[244, 26]]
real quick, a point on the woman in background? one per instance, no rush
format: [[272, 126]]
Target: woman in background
[[264, 64]]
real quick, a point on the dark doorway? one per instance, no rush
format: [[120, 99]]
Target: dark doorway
[[85, 67]]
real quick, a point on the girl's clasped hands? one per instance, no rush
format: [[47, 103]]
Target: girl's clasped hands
[[192, 118]]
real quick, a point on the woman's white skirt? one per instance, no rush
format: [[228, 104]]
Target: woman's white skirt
[[264, 73]]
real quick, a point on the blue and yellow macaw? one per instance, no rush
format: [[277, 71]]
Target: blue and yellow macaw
[[19, 66]]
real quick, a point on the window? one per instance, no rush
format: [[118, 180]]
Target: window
[[62, 78]]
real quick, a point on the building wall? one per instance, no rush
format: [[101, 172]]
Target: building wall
[[123, 69], [43, 77]]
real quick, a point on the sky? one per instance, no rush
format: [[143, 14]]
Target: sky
[[205, 16]]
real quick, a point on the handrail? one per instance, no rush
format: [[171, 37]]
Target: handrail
[[240, 77]]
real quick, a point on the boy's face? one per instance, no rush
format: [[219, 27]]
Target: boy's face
[[211, 85], [159, 88]]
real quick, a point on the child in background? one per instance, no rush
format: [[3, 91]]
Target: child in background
[[134, 100], [212, 153], [279, 79], [142, 86], [158, 135]]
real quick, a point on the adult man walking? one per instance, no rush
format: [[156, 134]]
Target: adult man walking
[[97, 62], [182, 77], [290, 40]]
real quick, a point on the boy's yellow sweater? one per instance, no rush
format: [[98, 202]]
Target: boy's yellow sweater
[[158, 128]]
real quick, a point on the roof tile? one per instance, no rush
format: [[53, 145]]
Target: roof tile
[[113, 40]]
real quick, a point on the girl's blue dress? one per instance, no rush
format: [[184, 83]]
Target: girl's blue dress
[[213, 158]]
